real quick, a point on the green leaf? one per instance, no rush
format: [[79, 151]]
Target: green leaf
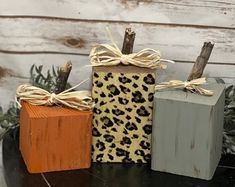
[[37, 79], [53, 71], [40, 69], [229, 120], [31, 69], [49, 77], [231, 105], [227, 90]]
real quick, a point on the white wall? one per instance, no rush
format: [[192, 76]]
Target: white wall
[[53, 32]]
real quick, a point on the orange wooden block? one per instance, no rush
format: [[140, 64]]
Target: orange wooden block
[[54, 138]]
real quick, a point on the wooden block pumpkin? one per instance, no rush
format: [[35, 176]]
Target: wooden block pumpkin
[[54, 138], [187, 132], [122, 119]]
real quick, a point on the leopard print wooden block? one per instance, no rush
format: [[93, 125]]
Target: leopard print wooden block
[[122, 120]]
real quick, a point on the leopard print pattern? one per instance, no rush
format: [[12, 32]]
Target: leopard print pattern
[[122, 117]]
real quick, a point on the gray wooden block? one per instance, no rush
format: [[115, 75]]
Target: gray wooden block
[[187, 132]]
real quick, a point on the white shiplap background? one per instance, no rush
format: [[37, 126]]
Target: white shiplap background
[[51, 32]]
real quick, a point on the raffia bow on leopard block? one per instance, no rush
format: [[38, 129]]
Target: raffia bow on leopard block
[[192, 86], [111, 55], [80, 100]]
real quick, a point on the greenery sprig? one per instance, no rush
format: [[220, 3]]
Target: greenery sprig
[[229, 120], [10, 119], [46, 82]]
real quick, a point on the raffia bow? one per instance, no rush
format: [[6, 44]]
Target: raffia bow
[[80, 100], [111, 55], [193, 86]]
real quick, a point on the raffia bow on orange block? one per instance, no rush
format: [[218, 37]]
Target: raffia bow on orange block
[[111, 55], [193, 86], [80, 100]]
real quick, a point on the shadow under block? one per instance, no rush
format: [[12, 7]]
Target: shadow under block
[[54, 138], [122, 120], [187, 132]]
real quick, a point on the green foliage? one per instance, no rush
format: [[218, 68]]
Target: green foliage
[[10, 119], [38, 79], [229, 109], [229, 120], [46, 82]]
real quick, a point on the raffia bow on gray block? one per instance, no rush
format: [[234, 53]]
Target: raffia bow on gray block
[[193, 86]]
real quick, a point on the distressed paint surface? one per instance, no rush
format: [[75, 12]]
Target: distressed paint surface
[[20, 66], [81, 70], [177, 28], [46, 134], [187, 132], [183, 43], [53, 32], [213, 13]]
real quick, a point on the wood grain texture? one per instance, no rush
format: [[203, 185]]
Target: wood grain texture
[[187, 132], [53, 32], [62, 79], [181, 43], [4, 72], [22, 64], [212, 13], [81, 70], [54, 138], [201, 61], [128, 41]]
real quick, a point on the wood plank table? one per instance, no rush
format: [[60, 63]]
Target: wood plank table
[[105, 175]]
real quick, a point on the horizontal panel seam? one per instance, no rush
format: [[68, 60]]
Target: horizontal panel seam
[[114, 21]]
